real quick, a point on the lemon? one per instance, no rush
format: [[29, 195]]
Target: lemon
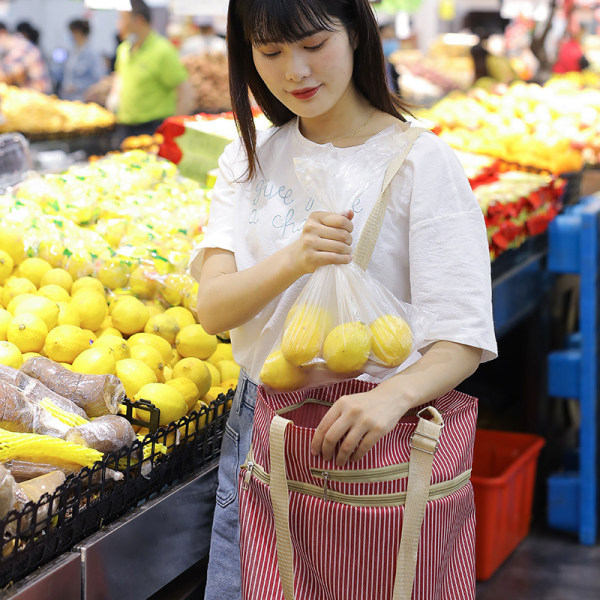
[[42, 307], [228, 369], [134, 374], [305, 331], [188, 390], [10, 355], [154, 307], [5, 319], [59, 277], [163, 325], [28, 355], [114, 295], [196, 370], [347, 347], [143, 282], [392, 340], [229, 384], [175, 357], [65, 343], [91, 336], [91, 307], [153, 340], [168, 373], [152, 357], [27, 332], [192, 340], [215, 376], [12, 305], [114, 273], [117, 345], [223, 352], [182, 315], [11, 241], [79, 264], [52, 251], [15, 286], [167, 399], [95, 361], [34, 269], [67, 314], [129, 315], [173, 288], [54, 292], [6, 266], [66, 366], [280, 374], [213, 393], [87, 283]]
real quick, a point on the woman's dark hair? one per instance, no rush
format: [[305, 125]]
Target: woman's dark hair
[[29, 32], [288, 21], [139, 7], [80, 25]]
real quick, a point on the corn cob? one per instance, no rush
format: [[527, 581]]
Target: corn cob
[[33, 447], [70, 419]]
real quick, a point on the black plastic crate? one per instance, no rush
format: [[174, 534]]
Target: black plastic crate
[[92, 498]]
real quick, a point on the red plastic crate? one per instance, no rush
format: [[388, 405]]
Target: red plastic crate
[[503, 477]]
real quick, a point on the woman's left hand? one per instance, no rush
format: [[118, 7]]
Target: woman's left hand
[[361, 420]]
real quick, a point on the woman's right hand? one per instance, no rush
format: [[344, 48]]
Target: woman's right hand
[[325, 240]]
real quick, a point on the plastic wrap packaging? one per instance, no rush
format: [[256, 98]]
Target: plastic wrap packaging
[[344, 323], [105, 434], [23, 470], [8, 491], [97, 395], [35, 391]]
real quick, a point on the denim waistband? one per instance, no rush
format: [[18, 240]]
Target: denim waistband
[[246, 390]]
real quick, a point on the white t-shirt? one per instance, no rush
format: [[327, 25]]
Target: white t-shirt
[[432, 250]]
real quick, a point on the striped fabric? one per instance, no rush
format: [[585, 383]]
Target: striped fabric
[[344, 552]]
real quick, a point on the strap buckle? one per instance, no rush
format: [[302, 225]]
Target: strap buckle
[[421, 448]]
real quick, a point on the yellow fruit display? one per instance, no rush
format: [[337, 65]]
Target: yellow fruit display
[[223, 352], [143, 282], [129, 315], [183, 316], [108, 331], [188, 390], [153, 340], [15, 286], [196, 370], [117, 345], [213, 393], [280, 374], [166, 398], [87, 283], [28, 355], [52, 251], [168, 373], [175, 357], [193, 341], [392, 340], [12, 305], [54, 292], [11, 241], [6, 266], [228, 369], [347, 347], [67, 314], [151, 356], [42, 307], [27, 332], [215, 376], [10, 355], [91, 307], [65, 343], [154, 307], [305, 331], [134, 374], [173, 288], [95, 361], [114, 273], [34, 269], [163, 325], [92, 337], [59, 277], [229, 384], [5, 319]]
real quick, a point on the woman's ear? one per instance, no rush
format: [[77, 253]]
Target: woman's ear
[[354, 40]]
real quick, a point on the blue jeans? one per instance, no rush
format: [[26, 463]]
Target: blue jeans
[[224, 571]]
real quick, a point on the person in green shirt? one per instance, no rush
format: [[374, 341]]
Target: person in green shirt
[[150, 82]]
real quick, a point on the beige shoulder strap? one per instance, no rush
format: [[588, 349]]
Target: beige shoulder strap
[[423, 446], [366, 242]]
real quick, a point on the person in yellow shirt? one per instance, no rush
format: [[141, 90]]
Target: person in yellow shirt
[[150, 82]]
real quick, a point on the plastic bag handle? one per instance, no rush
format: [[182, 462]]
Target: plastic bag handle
[[370, 233]]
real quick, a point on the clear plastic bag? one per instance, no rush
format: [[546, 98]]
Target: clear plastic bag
[[344, 323]]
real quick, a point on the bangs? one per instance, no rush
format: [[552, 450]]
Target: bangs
[[284, 21]]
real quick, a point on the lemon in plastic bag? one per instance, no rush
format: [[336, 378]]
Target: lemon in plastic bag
[[307, 326], [392, 340], [347, 347], [281, 375]]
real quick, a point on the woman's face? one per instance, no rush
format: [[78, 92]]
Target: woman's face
[[310, 76]]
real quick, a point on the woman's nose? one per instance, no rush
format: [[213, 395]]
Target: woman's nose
[[296, 67]]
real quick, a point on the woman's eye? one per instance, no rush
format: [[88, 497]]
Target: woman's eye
[[317, 47], [270, 54]]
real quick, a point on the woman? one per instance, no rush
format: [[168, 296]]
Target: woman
[[316, 68]]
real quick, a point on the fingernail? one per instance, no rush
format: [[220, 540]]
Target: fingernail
[[313, 452]]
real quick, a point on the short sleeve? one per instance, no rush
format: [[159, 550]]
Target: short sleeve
[[219, 232], [450, 273], [172, 72]]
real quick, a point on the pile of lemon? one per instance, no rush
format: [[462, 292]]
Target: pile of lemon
[[160, 354], [309, 339]]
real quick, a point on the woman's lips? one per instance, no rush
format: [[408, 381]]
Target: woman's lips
[[305, 93]]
